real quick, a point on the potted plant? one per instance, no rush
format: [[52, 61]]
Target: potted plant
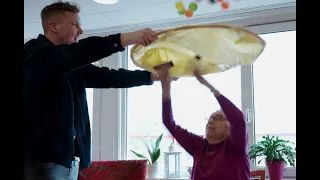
[[154, 153], [276, 152]]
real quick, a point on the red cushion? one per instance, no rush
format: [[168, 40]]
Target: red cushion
[[115, 170]]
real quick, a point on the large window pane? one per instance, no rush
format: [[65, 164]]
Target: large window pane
[[191, 101], [274, 75]]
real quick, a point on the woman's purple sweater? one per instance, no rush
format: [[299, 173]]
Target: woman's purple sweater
[[227, 160]]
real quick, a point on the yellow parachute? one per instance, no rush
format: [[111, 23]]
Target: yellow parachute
[[210, 48]]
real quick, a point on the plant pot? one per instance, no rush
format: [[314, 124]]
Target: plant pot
[[153, 171], [275, 170]]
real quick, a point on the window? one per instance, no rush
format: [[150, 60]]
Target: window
[[273, 102], [267, 88], [191, 103], [274, 75]]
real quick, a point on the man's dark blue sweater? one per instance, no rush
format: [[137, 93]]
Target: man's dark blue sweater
[[55, 106]]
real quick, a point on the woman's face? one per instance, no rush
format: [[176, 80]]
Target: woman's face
[[217, 126]]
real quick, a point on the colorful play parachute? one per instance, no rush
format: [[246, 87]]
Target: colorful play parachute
[[210, 48]]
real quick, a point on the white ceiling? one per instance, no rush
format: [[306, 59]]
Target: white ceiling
[[125, 12]]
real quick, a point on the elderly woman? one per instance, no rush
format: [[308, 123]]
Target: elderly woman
[[222, 154]]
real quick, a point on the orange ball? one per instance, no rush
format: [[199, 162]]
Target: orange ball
[[225, 5], [188, 13]]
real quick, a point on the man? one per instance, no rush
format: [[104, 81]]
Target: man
[[57, 69]]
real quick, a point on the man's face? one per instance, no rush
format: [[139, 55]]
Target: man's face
[[67, 27]]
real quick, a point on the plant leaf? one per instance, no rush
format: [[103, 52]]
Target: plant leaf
[[140, 155], [146, 144], [155, 156], [158, 142]]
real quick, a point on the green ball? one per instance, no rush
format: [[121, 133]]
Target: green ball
[[181, 11], [193, 6]]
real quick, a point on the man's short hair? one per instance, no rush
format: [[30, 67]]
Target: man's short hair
[[55, 8]]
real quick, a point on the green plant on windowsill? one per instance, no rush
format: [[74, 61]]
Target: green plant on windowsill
[[153, 150], [273, 149]]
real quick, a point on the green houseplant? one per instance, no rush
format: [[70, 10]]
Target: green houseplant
[[154, 154], [276, 152]]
